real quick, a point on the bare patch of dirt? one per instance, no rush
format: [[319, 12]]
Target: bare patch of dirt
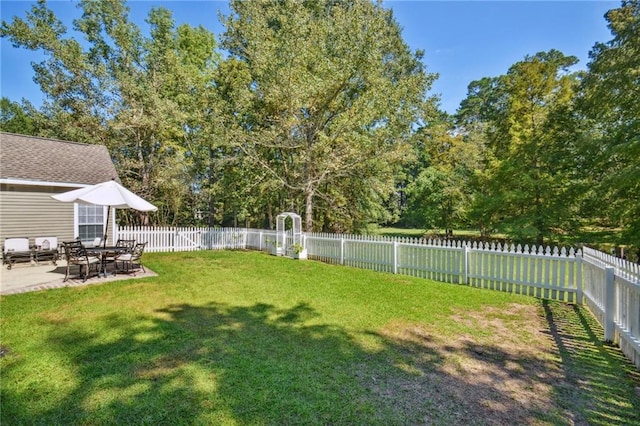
[[503, 372]]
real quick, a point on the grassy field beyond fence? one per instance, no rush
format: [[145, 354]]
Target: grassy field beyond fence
[[608, 240], [246, 338]]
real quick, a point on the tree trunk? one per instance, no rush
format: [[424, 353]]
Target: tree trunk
[[308, 212], [145, 169], [539, 221], [210, 221]]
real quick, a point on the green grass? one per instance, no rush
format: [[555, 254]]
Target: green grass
[[245, 338], [602, 238], [419, 233], [396, 232]]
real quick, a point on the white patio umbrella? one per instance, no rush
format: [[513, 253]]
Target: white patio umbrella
[[110, 194]]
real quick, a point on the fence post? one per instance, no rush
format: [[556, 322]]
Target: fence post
[[260, 242], [342, 251], [609, 304], [303, 240], [579, 283], [465, 275], [174, 234], [395, 257]]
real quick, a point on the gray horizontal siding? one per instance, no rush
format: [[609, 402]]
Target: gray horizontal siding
[[29, 211]]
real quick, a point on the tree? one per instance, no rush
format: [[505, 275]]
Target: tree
[[332, 93], [18, 118], [135, 94], [531, 136], [610, 100], [439, 191]]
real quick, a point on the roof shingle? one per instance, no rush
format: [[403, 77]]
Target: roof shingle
[[49, 160]]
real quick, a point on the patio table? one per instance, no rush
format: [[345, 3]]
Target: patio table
[[103, 253]]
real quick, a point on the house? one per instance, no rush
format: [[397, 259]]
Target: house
[[32, 169]]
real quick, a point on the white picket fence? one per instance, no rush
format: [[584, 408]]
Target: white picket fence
[[534, 271], [612, 293], [611, 286], [167, 239]]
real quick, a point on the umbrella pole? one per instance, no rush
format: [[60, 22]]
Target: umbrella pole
[[106, 229]]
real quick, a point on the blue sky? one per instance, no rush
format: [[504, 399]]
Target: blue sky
[[463, 40]]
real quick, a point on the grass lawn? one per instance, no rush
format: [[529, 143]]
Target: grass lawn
[[244, 338], [603, 239], [420, 233]]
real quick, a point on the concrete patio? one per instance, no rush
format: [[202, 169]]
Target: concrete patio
[[24, 277]]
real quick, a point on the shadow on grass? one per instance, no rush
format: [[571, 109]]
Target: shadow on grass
[[600, 383], [261, 364]]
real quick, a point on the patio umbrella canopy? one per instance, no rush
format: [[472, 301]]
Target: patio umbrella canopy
[[110, 194]]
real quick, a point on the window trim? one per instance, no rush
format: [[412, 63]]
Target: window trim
[[76, 218]]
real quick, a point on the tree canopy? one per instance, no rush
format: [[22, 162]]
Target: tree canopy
[[610, 100], [528, 135], [320, 107], [131, 92], [331, 97]]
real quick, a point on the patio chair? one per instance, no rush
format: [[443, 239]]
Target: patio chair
[[16, 250], [128, 244], [125, 246], [131, 259], [76, 254], [46, 248]]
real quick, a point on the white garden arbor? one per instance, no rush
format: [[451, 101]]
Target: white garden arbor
[[290, 242]]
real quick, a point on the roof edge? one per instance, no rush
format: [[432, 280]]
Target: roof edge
[[49, 139], [10, 181]]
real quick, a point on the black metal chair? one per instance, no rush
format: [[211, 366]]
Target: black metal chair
[[128, 244], [123, 247], [76, 254], [131, 259]]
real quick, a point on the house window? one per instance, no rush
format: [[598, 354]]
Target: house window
[[90, 222]]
